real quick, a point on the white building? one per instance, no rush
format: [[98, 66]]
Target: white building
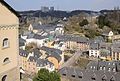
[[94, 50]]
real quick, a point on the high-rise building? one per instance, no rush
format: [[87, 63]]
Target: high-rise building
[[9, 47], [44, 9], [51, 8]]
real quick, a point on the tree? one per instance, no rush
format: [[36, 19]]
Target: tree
[[84, 22], [45, 75]]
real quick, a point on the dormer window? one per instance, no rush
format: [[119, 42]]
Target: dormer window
[[114, 70], [93, 77], [94, 67], [5, 43], [91, 67], [108, 63], [73, 75], [112, 79], [109, 69], [80, 76], [101, 68], [104, 68], [64, 74], [113, 63]]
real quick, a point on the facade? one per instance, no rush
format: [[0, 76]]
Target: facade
[[116, 54], [74, 42], [9, 49], [94, 50], [108, 34], [115, 51]]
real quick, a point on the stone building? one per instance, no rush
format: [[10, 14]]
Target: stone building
[[9, 49]]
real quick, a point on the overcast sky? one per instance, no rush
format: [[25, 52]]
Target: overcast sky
[[64, 4]]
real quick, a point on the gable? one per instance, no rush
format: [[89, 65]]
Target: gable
[[6, 15]]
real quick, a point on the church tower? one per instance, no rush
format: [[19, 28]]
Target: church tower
[[9, 47]]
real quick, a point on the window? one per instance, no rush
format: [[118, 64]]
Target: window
[[6, 60], [73, 75], [114, 70], [103, 67], [100, 67], [112, 79], [64, 74], [81, 75], [4, 78], [104, 78], [5, 43], [93, 77], [109, 69]]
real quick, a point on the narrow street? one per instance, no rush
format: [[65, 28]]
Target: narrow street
[[72, 59]]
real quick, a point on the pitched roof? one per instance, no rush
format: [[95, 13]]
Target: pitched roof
[[108, 66], [52, 52], [87, 75], [23, 53], [94, 46], [9, 7], [43, 62], [72, 38]]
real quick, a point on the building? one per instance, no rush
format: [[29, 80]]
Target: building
[[116, 51], [44, 9], [107, 66], [23, 59], [94, 50], [107, 33], [51, 8], [53, 55], [74, 42], [75, 74], [9, 45], [44, 63]]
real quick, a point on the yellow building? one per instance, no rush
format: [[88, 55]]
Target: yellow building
[[9, 49]]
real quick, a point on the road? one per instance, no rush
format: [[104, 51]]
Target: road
[[72, 60]]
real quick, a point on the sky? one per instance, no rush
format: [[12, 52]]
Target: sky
[[67, 5]]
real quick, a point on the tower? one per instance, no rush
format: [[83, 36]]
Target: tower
[[9, 49]]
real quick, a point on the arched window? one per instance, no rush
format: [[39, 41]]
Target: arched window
[[4, 78], [6, 60], [5, 43]]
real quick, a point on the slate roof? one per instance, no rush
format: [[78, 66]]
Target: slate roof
[[108, 66], [99, 39], [116, 45], [36, 36], [46, 28], [52, 52], [105, 46], [37, 53], [94, 46], [73, 38], [87, 75], [9, 7], [23, 53], [21, 42], [32, 59], [43, 62]]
